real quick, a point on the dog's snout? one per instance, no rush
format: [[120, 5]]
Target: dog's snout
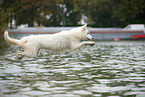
[[89, 37]]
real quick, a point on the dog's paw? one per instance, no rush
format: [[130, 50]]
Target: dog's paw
[[19, 57], [92, 43]]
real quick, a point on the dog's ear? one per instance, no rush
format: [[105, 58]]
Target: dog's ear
[[84, 27]]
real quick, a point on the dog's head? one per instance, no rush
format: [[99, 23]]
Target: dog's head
[[85, 32]]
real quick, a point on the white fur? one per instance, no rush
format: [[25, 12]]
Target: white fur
[[59, 42]]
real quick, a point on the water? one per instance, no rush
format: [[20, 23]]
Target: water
[[108, 69]]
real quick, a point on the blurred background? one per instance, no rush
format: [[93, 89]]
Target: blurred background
[[97, 13]]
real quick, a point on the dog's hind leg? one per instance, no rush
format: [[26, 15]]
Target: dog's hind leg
[[19, 55], [22, 49], [31, 51]]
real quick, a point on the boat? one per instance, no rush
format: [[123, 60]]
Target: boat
[[140, 36], [97, 33]]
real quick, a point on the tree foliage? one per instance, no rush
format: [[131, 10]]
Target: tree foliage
[[4, 20], [97, 13]]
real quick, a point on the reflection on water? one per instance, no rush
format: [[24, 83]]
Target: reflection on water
[[109, 68]]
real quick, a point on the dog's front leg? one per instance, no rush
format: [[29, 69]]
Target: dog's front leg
[[79, 45]]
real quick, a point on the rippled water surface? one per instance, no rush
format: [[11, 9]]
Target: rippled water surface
[[108, 69]]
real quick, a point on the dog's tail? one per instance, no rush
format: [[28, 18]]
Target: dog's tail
[[11, 40]]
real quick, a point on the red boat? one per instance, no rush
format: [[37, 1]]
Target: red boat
[[140, 36]]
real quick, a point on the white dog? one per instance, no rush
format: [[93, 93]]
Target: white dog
[[59, 42]]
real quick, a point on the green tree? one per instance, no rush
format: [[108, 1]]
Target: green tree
[[73, 13], [51, 13], [113, 13], [5, 18], [129, 11], [27, 11], [46, 12], [99, 13]]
